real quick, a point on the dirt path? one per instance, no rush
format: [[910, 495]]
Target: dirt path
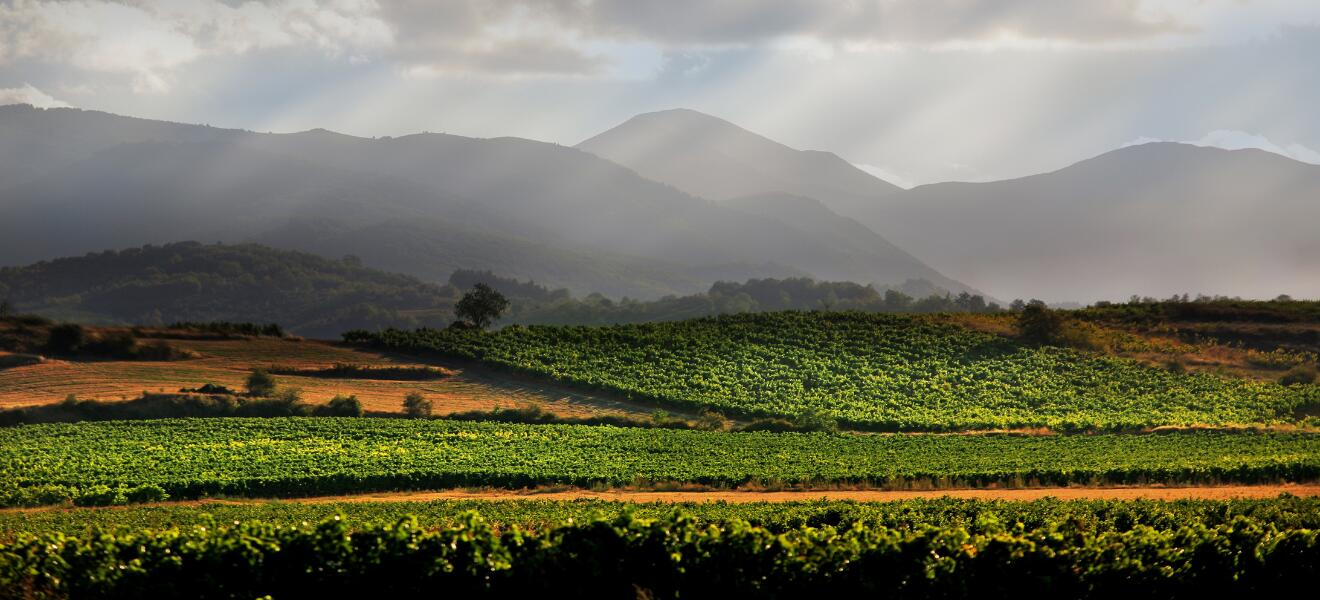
[[744, 496], [1071, 493]]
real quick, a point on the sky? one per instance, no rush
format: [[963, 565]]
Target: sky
[[915, 91]]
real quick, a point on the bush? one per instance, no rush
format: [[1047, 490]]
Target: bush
[[416, 405], [285, 403], [340, 406], [713, 421], [146, 493], [119, 344], [260, 383], [1038, 324], [66, 338], [100, 495], [1299, 375]]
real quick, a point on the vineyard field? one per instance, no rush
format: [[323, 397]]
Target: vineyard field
[[189, 458], [675, 556], [977, 516], [868, 371]]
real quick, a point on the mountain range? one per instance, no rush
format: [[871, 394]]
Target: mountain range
[[1153, 219], [665, 203]]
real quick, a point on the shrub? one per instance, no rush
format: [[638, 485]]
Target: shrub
[[341, 406], [1299, 375], [146, 493], [260, 383], [416, 405], [713, 421], [815, 420], [100, 495], [66, 338], [1038, 324], [120, 344], [285, 403]]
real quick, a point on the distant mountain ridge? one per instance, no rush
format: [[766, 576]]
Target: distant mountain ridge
[[1155, 219], [530, 209], [713, 158]]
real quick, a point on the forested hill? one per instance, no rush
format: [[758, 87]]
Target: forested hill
[[318, 297], [545, 307], [189, 281]]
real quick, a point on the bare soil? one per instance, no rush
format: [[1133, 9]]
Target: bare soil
[[228, 362]]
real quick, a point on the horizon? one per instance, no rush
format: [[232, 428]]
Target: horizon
[[1224, 145], [1054, 85]]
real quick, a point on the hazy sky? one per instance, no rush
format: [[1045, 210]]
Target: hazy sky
[[916, 90]]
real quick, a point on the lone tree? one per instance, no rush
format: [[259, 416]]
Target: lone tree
[[416, 405], [1037, 323], [481, 306]]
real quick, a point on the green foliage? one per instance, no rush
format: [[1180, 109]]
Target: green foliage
[[352, 371], [1204, 309], [724, 297], [416, 405], [977, 516], [481, 306], [869, 371], [341, 406], [1038, 324], [190, 458], [670, 557], [260, 383], [229, 329]]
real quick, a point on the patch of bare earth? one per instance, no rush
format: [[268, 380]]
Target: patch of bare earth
[[747, 496], [228, 362]]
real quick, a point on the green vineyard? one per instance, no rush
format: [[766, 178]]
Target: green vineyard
[[675, 556], [869, 371], [299, 456], [976, 516]]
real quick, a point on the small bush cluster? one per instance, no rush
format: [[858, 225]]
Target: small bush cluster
[[95, 495]]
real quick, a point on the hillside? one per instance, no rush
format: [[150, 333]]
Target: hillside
[[555, 214], [885, 372], [1156, 219], [188, 281]]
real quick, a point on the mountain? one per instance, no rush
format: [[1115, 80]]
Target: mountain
[[418, 204], [713, 158], [188, 281], [1155, 219]]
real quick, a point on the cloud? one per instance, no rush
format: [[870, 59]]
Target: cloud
[[30, 95], [148, 39], [1231, 139], [885, 21]]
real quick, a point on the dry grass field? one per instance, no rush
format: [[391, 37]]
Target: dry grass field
[[228, 362]]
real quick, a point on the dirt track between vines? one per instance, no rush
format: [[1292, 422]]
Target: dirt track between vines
[[1069, 493], [746, 496]]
